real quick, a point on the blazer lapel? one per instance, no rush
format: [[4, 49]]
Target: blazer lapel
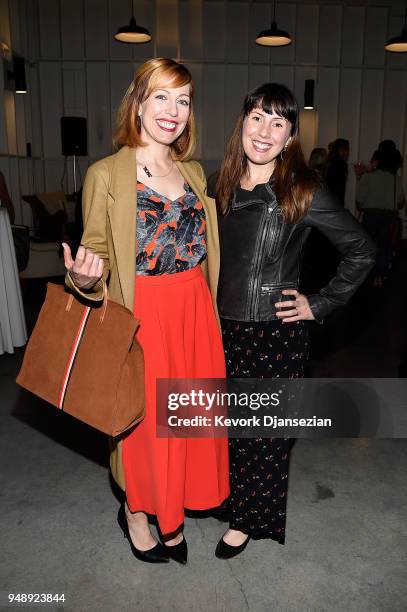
[[122, 214]]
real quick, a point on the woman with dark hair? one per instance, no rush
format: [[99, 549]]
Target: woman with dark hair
[[151, 232], [336, 173], [317, 160], [268, 202]]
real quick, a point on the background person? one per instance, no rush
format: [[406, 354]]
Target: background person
[[318, 160], [336, 174]]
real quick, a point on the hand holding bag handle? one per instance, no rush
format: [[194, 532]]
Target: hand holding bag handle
[[85, 359], [87, 268]]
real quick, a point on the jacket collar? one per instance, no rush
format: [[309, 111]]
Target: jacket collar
[[261, 194]]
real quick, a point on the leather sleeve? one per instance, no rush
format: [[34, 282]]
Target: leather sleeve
[[94, 212], [358, 252]]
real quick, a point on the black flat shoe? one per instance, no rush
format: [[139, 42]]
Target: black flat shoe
[[226, 551], [179, 552], [157, 554]]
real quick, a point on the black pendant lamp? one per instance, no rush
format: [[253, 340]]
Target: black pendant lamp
[[309, 94], [273, 37], [398, 44], [132, 33]]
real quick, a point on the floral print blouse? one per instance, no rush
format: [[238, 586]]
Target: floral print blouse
[[171, 235]]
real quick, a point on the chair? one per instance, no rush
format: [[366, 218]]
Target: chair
[[49, 212]]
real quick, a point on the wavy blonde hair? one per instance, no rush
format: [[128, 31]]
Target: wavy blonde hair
[[160, 71]]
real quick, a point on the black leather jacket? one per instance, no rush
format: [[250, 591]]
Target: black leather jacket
[[261, 254]]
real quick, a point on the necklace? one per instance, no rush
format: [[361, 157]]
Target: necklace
[[150, 175]]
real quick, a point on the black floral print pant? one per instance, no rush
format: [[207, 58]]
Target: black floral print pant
[[259, 466]]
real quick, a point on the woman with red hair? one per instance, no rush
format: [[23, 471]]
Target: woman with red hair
[[151, 232]]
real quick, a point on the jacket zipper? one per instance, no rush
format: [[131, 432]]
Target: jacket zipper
[[254, 284]]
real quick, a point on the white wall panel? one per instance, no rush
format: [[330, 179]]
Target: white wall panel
[[394, 121], [5, 22], [20, 101], [258, 75], [97, 34], [375, 36], [237, 17], [283, 75], [26, 185], [24, 25], [121, 75], [30, 17], [213, 111], [167, 35], [236, 81], [308, 127], [53, 170], [214, 27], [190, 24], [51, 107], [196, 71], [39, 176], [11, 123], [353, 35], [74, 87], [286, 16], [330, 30], [72, 29], [259, 19], [370, 112], [50, 31], [349, 109], [307, 33], [327, 105], [348, 124], [17, 42], [99, 124], [37, 125]]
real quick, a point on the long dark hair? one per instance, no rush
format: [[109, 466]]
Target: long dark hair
[[294, 182]]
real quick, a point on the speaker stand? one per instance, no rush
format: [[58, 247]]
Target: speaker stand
[[74, 173]]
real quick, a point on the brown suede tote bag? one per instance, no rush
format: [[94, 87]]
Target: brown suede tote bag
[[86, 361]]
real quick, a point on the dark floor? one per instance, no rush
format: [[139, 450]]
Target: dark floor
[[346, 545]]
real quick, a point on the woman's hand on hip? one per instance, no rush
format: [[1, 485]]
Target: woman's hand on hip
[[87, 268], [297, 309]]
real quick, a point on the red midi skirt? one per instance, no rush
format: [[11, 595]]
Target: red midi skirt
[[181, 339]]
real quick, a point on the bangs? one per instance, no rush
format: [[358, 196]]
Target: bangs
[[274, 98], [174, 76]]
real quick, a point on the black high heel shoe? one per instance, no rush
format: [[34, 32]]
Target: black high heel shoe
[[226, 551], [179, 552], [157, 554]]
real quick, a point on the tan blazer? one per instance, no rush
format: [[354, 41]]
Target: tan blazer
[[109, 215]]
